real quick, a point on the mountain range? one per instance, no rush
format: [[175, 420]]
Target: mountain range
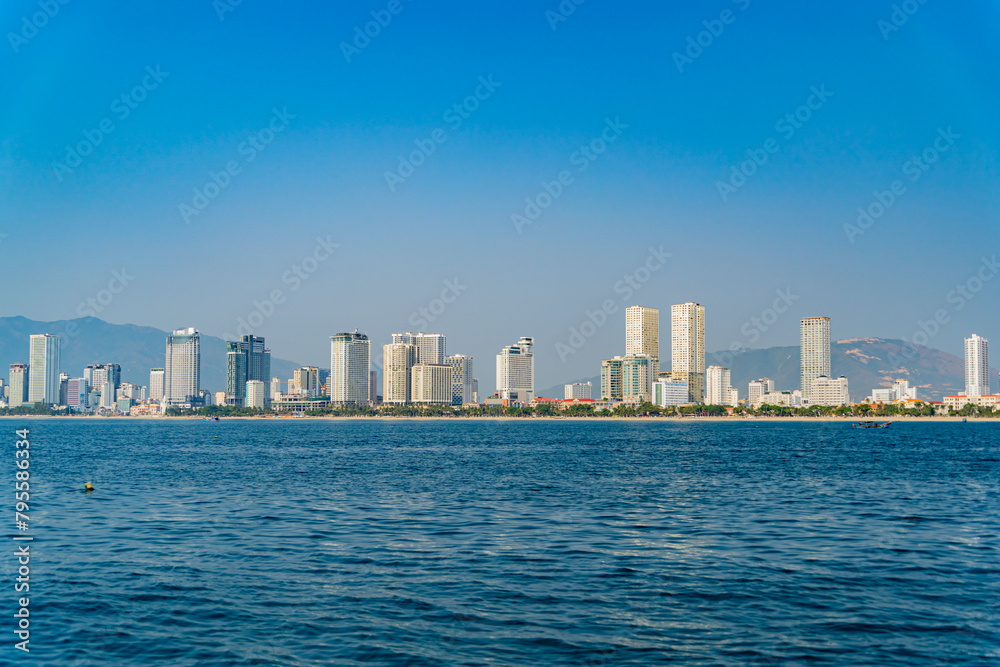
[[868, 363], [89, 340]]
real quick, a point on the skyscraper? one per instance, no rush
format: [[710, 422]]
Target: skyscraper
[[642, 333], [182, 370], [350, 358], [977, 366], [638, 375], [687, 347], [461, 379], [43, 371], [815, 343], [247, 359], [430, 348], [397, 360], [18, 390], [156, 384], [516, 371]]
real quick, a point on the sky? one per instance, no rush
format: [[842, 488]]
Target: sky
[[513, 169]]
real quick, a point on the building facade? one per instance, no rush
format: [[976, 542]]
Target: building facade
[[718, 385], [815, 351], [687, 346], [829, 392], [398, 359], [578, 390], [668, 393], [247, 359], [18, 385], [638, 375], [157, 383], [255, 394], [977, 366], [758, 389], [611, 379], [182, 370], [642, 334], [350, 359], [431, 384], [516, 371], [461, 379], [43, 370]]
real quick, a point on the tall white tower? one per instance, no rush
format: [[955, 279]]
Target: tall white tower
[[350, 357], [516, 371], [43, 370], [815, 349], [182, 370], [977, 366]]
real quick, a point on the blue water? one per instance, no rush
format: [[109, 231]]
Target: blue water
[[515, 543]]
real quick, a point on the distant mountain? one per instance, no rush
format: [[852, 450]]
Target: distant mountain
[[89, 340], [867, 363]]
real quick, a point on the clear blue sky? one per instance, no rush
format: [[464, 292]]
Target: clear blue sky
[[656, 184]]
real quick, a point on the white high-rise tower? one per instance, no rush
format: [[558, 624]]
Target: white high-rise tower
[[43, 370], [182, 371], [642, 334], [350, 357], [815, 349], [977, 366], [516, 371]]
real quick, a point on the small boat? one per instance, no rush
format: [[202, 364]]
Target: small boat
[[210, 419], [870, 424]]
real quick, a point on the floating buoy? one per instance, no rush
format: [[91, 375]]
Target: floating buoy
[[88, 487]]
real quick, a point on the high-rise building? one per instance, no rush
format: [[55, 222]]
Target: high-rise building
[[638, 375], [98, 375], [43, 370], [758, 390], [373, 386], [255, 394], [18, 391], [578, 390], [397, 361], [461, 378], [247, 359], [156, 384], [977, 366], [350, 358], [815, 344], [182, 376], [431, 383], [275, 390], [516, 371], [611, 379], [687, 347], [642, 333], [717, 385], [829, 392], [63, 388]]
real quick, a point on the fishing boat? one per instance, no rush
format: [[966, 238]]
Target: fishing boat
[[871, 424]]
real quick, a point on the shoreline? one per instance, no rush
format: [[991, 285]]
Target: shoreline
[[665, 420]]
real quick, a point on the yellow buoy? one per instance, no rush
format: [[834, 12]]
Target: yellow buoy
[[88, 487]]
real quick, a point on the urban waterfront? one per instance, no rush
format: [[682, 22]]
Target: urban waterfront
[[516, 543]]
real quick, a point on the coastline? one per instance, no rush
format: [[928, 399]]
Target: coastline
[[665, 420]]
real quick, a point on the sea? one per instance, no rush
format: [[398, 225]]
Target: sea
[[508, 542]]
